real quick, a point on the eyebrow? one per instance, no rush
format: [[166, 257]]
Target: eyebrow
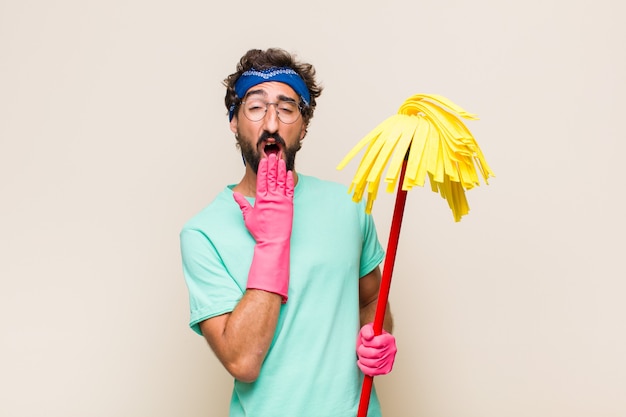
[[286, 98], [253, 92], [280, 97]]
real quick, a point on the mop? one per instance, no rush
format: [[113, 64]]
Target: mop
[[425, 138]]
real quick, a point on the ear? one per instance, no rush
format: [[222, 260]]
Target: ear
[[233, 124], [303, 131]]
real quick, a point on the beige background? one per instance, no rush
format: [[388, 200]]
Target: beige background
[[113, 133]]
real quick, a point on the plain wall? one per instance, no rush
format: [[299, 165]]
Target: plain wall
[[113, 133]]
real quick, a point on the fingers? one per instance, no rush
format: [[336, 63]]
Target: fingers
[[379, 341], [374, 369], [272, 176], [376, 361], [375, 353], [284, 181], [244, 205], [261, 176], [272, 168], [367, 332], [371, 371], [290, 184], [281, 177]]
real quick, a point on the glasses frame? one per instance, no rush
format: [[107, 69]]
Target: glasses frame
[[267, 106]]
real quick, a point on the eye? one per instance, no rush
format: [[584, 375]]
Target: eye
[[255, 105], [287, 107]]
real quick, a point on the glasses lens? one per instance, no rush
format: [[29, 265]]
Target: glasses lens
[[254, 109], [287, 111]]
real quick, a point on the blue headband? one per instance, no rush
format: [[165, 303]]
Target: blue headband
[[285, 75]]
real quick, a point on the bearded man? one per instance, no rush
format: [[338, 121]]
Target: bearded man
[[283, 268]]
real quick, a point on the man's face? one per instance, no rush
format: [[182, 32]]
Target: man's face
[[268, 135]]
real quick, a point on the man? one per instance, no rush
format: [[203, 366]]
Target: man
[[282, 268]]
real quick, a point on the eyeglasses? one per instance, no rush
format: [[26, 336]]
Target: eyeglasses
[[287, 111]]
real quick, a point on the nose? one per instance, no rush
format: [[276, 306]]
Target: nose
[[270, 121]]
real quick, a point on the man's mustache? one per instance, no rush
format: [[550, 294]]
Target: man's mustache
[[265, 136]]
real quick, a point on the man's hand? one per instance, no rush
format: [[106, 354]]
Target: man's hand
[[376, 353], [270, 222]]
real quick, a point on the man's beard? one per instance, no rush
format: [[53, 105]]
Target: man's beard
[[252, 156]]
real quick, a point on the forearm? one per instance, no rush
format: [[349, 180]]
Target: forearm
[[242, 338], [369, 289], [368, 312], [247, 334]]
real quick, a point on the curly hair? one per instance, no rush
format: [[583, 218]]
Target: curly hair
[[270, 58]]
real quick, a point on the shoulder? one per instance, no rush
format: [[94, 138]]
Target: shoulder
[[222, 208], [309, 184], [320, 194]]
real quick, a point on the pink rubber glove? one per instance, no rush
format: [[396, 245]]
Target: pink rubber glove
[[269, 222], [376, 353]]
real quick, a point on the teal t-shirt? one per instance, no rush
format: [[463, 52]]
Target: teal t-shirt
[[310, 368]]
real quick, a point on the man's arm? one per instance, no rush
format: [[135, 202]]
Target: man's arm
[[369, 286], [241, 339]]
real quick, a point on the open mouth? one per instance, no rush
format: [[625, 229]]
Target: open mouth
[[271, 148]]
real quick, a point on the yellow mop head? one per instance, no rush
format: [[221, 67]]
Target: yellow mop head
[[428, 132]]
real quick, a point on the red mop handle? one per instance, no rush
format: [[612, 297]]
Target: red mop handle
[[385, 284]]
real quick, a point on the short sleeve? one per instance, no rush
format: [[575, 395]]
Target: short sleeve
[[212, 290], [372, 253]]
